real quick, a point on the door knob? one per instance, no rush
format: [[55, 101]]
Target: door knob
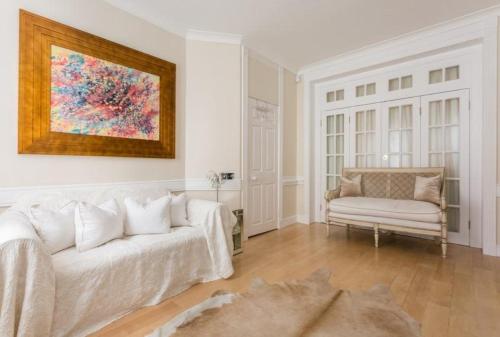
[[253, 178]]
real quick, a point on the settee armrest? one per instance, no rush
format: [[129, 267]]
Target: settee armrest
[[27, 279], [332, 194], [443, 203], [217, 222]]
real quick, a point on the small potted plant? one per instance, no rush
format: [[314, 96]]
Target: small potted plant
[[215, 180]]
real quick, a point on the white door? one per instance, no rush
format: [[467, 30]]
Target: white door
[[401, 133], [365, 136], [336, 146], [262, 185], [445, 142]]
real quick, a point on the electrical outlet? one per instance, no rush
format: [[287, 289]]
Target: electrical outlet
[[227, 175]]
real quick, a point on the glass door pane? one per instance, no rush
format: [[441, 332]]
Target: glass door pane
[[365, 141], [445, 143], [335, 146], [400, 133]]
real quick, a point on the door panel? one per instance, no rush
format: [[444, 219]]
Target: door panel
[[401, 133], [365, 136], [445, 142], [262, 206]]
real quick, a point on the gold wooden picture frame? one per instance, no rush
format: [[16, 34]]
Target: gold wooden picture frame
[[80, 94]]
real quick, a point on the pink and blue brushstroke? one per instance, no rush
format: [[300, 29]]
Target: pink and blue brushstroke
[[91, 96]]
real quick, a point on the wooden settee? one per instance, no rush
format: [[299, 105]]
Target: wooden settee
[[387, 203]]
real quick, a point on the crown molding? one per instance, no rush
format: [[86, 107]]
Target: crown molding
[[201, 35], [439, 36]]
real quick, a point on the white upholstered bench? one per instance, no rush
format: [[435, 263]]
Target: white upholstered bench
[[387, 203]]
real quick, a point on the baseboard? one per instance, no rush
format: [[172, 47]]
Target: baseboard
[[9, 195], [288, 221], [302, 218], [498, 250]]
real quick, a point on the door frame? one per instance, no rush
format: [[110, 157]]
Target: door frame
[[245, 53], [476, 39]]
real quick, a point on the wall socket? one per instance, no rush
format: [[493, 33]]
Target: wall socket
[[227, 175]]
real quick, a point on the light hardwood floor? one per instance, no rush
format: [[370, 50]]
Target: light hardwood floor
[[457, 296]]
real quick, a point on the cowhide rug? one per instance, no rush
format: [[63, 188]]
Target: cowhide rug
[[305, 308]]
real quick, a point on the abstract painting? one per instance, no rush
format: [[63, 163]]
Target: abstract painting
[[82, 95], [90, 96]]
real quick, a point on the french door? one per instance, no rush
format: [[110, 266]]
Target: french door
[[424, 131], [445, 119], [401, 133]]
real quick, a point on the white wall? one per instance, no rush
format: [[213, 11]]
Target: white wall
[[99, 18], [263, 80], [213, 111]]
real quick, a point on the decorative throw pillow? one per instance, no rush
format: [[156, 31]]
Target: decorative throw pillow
[[350, 187], [153, 217], [96, 225], [56, 229], [428, 189], [178, 210]]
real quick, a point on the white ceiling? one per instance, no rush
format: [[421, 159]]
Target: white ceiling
[[296, 33]]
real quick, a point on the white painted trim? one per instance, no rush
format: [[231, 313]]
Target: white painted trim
[[433, 37], [292, 180], [489, 135], [9, 195], [479, 29], [244, 134], [290, 220], [279, 171], [498, 250], [202, 184], [206, 36], [301, 218]]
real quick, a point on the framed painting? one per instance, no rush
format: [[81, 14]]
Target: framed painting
[[80, 94]]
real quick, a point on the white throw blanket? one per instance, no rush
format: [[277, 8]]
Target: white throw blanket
[[27, 280], [105, 283]]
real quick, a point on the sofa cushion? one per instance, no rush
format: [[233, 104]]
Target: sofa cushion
[[388, 221], [411, 210]]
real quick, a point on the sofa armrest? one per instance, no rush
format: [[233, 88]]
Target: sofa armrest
[[217, 222], [27, 279], [332, 194], [15, 225]]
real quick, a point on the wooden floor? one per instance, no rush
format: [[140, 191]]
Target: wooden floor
[[457, 296]]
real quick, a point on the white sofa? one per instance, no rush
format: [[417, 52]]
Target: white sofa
[[73, 294], [388, 203]]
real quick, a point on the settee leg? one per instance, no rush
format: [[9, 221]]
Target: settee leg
[[444, 236], [375, 228], [444, 246]]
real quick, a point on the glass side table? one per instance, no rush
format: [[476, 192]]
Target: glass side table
[[238, 232]]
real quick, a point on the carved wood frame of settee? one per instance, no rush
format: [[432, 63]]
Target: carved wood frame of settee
[[392, 183]]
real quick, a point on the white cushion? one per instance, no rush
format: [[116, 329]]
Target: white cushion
[[56, 228], [411, 210], [388, 221], [96, 225], [152, 217], [178, 210]]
